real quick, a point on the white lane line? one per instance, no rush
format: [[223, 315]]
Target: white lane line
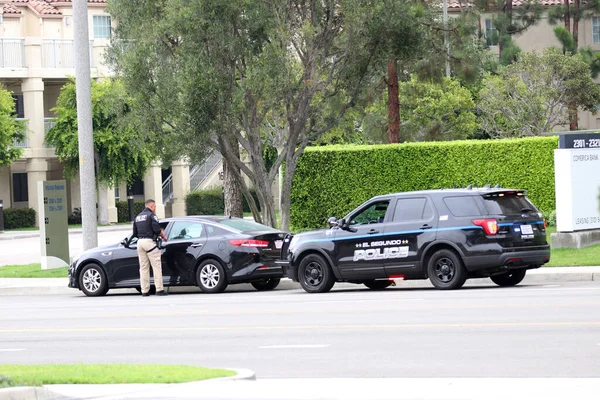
[[11, 350], [294, 346]]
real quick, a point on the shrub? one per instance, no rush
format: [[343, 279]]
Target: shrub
[[210, 202], [551, 218], [75, 218], [333, 180], [123, 209], [205, 202], [15, 218]]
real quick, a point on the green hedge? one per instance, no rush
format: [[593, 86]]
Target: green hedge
[[123, 209], [210, 202], [333, 180], [16, 218]]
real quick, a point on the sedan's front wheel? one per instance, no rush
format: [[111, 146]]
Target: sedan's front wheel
[[211, 277], [92, 281]]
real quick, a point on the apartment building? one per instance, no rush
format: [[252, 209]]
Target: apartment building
[[36, 59]]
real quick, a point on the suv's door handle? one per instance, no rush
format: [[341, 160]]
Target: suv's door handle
[[197, 245], [426, 226], [372, 232]]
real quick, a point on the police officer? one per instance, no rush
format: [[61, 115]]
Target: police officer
[[147, 229]]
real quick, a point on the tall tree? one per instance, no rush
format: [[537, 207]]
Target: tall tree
[[252, 74], [122, 152], [568, 36], [11, 130], [533, 95]]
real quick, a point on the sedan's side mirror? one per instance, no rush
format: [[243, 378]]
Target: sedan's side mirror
[[332, 222], [125, 242]]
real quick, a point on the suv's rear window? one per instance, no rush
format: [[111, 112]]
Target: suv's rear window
[[507, 204], [462, 206]]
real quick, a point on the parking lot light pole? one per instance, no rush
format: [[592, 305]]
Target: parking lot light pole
[[87, 174]]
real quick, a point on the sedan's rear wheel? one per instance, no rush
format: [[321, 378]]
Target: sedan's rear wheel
[[211, 277], [92, 281], [266, 284], [315, 275], [510, 278], [377, 285]]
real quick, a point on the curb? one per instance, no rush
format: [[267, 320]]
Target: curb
[[28, 393], [243, 374]]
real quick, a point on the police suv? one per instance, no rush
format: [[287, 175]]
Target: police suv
[[446, 236]]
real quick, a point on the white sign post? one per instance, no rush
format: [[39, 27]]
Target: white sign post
[[54, 233], [577, 180]]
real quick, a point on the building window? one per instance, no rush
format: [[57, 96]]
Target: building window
[[596, 29], [117, 194], [137, 187], [491, 33], [20, 191], [19, 107], [101, 26]]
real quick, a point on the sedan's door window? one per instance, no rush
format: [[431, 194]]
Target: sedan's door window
[[186, 230], [373, 214]]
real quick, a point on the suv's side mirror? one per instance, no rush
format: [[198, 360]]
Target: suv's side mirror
[[332, 221], [345, 225]]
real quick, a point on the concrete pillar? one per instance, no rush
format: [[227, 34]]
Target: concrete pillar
[[33, 105], [33, 52], [153, 188], [181, 186], [37, 170], [5, 185], [112, 207]]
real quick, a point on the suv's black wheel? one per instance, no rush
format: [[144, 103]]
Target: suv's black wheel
[[92, 281], [266, 284], [377, 285], [315, 275], [510, 278], [445, 270], [211, 277]]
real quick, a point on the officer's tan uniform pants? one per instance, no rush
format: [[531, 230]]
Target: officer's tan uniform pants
[[146, 258]]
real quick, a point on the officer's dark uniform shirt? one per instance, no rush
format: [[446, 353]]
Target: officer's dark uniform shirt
[[146, 225]]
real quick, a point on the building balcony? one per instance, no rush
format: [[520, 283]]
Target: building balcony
[[60, 53], [25, 142], [12, 53]]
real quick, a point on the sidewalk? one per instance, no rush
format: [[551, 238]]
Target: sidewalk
[[348, 389], [549, 275], [11, 235]]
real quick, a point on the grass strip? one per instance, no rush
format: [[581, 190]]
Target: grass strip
[[32, 271], [47, 374]]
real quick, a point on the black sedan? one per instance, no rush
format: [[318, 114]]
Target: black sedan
[[210, 252]]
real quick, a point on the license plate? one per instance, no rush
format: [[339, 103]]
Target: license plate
[[278, 244], [527, 229]]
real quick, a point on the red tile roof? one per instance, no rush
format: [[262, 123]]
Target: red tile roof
[[9, 9], [43, 8]]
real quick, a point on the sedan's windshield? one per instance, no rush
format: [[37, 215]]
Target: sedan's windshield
[[243, 225]]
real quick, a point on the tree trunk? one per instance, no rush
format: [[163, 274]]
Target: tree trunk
[[393, 132], [286, 189], [232, 194], [573, 119], [567, 16], [576, 18]]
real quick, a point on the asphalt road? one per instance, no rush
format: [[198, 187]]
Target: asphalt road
[[28, 250], [526, 331]]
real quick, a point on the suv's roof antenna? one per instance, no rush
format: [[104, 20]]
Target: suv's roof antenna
[[497, 186], [469, 187], [487, 186]]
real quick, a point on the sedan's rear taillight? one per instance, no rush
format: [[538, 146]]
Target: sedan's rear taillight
[[490, 226], [249, 243]]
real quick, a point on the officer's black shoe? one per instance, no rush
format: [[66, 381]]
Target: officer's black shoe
[[145, 294], [162, 293]]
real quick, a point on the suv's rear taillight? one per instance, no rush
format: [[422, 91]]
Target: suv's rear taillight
[[545, 224], [490, 226], [249, 243]]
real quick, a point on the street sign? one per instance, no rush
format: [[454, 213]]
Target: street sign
[[53, 221]]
